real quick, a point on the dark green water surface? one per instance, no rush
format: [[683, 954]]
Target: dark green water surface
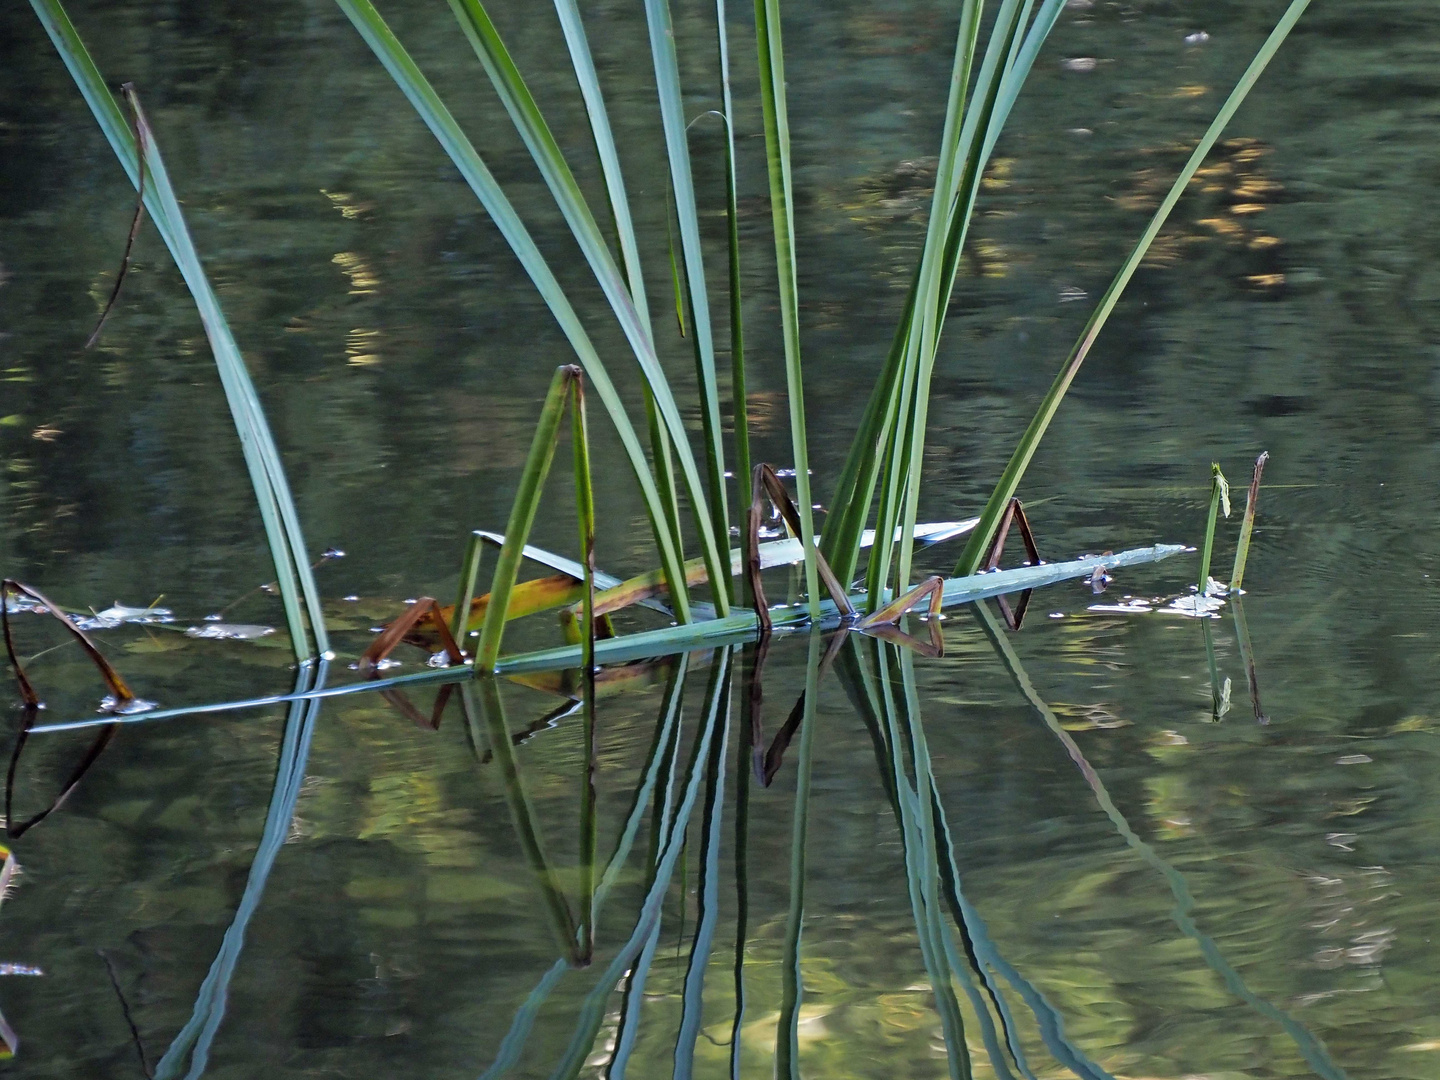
[[1292, 305]]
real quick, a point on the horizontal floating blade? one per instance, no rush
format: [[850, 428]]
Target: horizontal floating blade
[[708, 634]]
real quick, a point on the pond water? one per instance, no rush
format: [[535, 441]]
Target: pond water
[[1143, 890]]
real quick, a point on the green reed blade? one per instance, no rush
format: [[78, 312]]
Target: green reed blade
[[461, 151], [583, 64], [1010, 479], [1247, 524], [682, 182], [855, 490], [1219, 494], [522, 517], [262, 459], [585, 515], [738, 401], [1008, 59], [771, 51]]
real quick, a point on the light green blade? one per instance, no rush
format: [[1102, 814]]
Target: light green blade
[[262, 459], [1019, 461]]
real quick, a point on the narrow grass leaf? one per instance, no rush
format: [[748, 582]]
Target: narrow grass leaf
[[1247, 524], [771, 52], [262, 459], [1020, 460]]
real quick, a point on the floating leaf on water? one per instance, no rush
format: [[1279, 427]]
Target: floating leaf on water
[[1195, 607], [118, 613], [1129, 607], [220, 631], [110, 704], [379, 665]]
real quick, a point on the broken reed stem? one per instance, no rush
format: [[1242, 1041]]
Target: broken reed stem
[[469, 575], [522, 515], [1242, 550], [1219, 493]]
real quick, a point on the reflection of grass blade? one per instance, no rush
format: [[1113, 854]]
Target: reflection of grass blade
[[753, 660], [562, 921], [915, 813], [1310, 1048], [592, 1013], [513, 1043], [708, 895], [262, 459], [782, 211], [1247, 656], [1020, 460], [865, 693], [195, 1038], [787, 1034]]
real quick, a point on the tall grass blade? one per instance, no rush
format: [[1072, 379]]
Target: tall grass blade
[[1020, 460], [583, 65], [262, 459], [739, 405], [1247, 524], [771, 51], [672, 120], [461, 151], [585, 515], [900, 488]]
